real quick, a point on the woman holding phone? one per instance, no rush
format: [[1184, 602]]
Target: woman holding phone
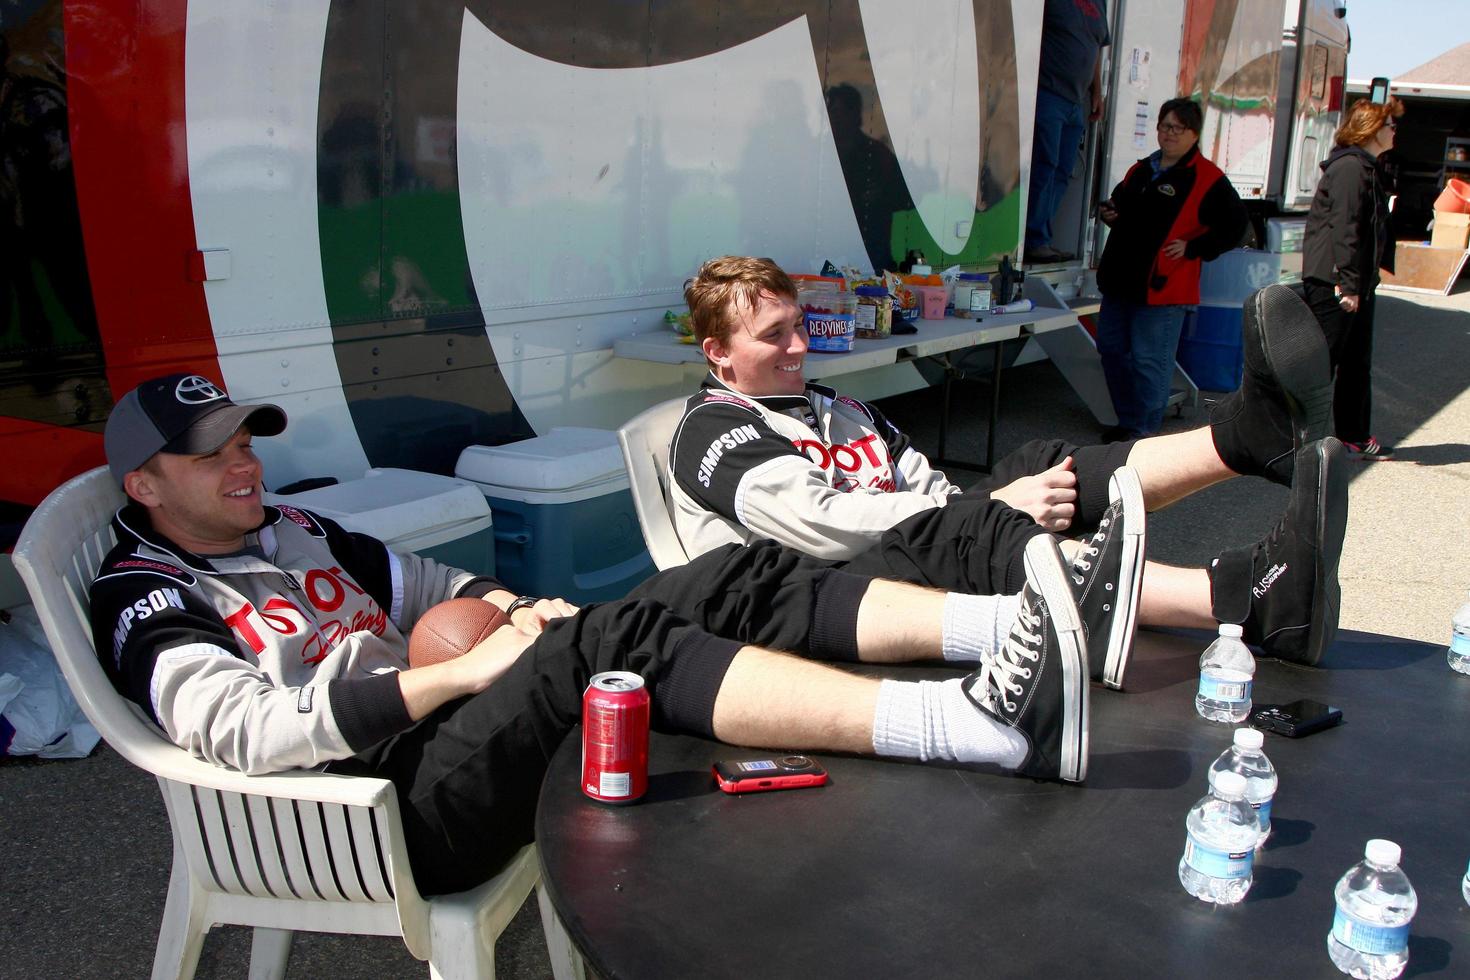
[[1172, 210], [1347, 241]]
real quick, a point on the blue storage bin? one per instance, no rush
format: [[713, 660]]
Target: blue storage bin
[[1210, 348], [563, 514]]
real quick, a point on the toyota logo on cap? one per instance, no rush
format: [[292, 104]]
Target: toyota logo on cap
[[194, 390]]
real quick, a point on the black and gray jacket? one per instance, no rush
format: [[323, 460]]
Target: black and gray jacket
[[821, 473], [1347, 236], [266, 663]]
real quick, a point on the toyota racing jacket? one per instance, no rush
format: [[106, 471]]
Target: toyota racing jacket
[[263, 664], [823, 474]]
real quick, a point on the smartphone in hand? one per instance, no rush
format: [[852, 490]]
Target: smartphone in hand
[[762, 775]]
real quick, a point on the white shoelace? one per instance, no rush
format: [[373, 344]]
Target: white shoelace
[[1004, 671], [1090, 548]]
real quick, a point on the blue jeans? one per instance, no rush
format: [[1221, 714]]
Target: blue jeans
[[1059, 127], [1138, 344]]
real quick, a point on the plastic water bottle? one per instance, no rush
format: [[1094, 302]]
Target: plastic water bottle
[[1220, 843], [1459, 654], [1370, 932], [1465, 887], [1225, 671], [1245, 757]]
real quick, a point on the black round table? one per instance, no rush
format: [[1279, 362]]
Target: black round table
[[908, 870]]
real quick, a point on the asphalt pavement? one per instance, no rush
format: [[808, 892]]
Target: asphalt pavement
[[85, 844]]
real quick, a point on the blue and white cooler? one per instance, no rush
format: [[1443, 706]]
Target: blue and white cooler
[[436, 516], [564, 518], [1210, 349]]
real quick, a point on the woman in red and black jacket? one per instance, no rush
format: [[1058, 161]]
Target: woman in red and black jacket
[[1173, 210], [1347, 241]]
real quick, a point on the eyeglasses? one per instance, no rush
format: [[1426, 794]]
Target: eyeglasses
[[1173, 129]]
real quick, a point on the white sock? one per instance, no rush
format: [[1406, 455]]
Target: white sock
[[976, 625], [934, 720]]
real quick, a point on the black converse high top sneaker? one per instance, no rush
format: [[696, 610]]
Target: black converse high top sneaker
[[1037, 682], [1107, 576], [1283, 590]]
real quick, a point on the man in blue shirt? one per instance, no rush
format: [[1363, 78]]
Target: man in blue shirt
[[1068, 95]]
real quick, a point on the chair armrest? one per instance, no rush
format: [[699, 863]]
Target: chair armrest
[[170, 762]]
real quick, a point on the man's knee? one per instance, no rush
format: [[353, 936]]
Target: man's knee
[[1034, 457]]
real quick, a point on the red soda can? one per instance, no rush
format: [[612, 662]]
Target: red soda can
[[615, 737]]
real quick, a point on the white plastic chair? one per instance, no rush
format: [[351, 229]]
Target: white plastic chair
[[645, 441], [280, 852]]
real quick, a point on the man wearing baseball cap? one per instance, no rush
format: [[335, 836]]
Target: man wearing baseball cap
[[264, 638], [183, 414]]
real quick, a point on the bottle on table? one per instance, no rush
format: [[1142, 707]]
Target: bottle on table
[[1246, 757], [1465, 886], [1225, 672], [1459, 654], [1220, 843], [1370, 932]]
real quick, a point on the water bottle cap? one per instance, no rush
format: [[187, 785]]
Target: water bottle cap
[[1230, 785], [1383, 852], [1231, 630], [1249, 738]]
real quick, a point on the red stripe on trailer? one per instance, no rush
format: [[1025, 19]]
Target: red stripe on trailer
[[46, 457], [125, 103]]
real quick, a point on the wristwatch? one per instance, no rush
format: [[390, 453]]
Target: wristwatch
[[523, 602]]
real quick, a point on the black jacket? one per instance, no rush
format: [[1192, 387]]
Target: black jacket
[[1147, 209], [1347, 228]]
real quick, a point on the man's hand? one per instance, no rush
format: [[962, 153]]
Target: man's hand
[[1107, 212], [1175, 248], [1348, 303], [426, 688], [533, 619], [1050, 497]]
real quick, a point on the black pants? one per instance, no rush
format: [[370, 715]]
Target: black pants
[[468, 776], [1350, 348], [1093, 465], [974, 544]]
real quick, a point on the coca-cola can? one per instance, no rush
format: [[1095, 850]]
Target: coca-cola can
[[615, 737]]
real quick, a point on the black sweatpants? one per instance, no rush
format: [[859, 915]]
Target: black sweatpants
[[468, 776], [974, 544]]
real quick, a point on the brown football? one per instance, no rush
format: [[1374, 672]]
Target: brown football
[[451, 628]]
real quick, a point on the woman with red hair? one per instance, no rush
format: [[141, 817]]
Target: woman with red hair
[[1347, 241]]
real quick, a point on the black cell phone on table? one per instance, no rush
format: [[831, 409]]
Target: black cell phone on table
[[762, 775], [1295, 719]]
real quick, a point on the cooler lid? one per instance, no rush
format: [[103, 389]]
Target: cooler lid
[[397, 506], [566, 458]]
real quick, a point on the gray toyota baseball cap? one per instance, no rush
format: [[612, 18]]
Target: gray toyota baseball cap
[[180, 413]]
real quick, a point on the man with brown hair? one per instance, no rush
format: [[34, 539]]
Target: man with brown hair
[[762, 454]]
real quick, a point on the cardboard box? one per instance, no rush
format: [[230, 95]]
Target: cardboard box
[[1420, 268], [1451, 230]]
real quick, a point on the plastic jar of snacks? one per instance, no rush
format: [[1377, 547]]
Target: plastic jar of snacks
[[972, 294], [874, 312], [831, 316]]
